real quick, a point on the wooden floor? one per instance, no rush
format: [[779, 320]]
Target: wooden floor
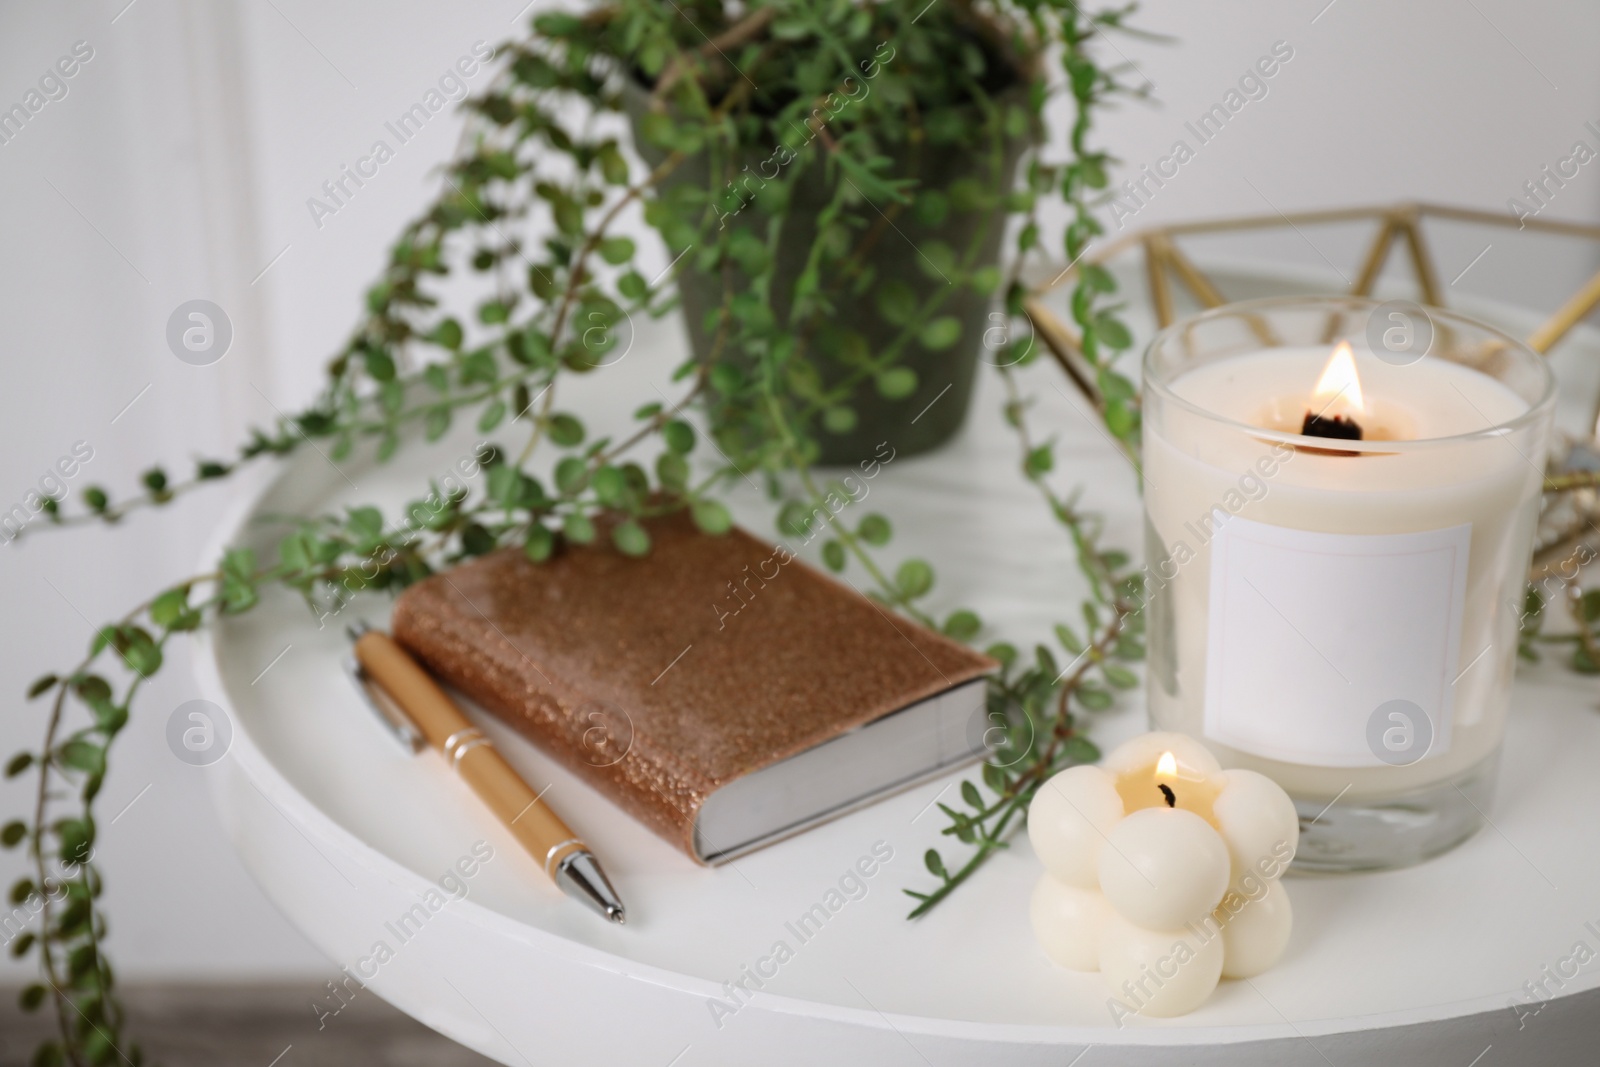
[[253, 1026]]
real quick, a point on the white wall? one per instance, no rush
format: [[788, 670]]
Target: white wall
[[180, 162], [1449, 101], [188, 143]]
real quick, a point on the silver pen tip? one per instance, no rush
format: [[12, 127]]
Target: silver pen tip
[[579, 875]]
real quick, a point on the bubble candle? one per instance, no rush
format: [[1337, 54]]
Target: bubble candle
[[1161, 873]]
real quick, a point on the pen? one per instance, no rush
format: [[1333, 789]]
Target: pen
[[418, 712]]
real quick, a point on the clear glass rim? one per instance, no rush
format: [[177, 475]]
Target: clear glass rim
[[1157, 384]]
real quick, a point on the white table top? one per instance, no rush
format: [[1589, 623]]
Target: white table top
[[346, 832]]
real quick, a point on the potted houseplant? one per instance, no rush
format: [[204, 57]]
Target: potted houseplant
[[815, 331], [865, 214]]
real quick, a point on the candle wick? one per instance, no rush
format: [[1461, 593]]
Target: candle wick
[[1336, 426], [1166, 791]]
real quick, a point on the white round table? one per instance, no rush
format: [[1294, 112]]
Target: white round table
[[347, 833]]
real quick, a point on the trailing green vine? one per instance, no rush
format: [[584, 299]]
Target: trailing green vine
[[532, 205], [1033, 704]]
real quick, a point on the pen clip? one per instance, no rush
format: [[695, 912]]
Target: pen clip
[[393, 718]]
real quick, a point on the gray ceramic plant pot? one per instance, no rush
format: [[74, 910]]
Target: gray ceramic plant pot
[[932, 413]]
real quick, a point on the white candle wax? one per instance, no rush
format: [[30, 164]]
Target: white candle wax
[[1067, 920], [1163, 867], [1069, 818], [1159, 973], [1255, 929], [1298, 707]]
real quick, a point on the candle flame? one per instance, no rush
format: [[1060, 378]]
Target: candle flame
[[1167, 765], [1340, 386]]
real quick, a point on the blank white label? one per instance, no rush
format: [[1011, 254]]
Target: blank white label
[[1311, 633]]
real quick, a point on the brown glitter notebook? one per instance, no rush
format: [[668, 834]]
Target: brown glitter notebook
[[719, 690]]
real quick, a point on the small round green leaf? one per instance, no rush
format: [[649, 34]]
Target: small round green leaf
[[1111, 332], [1040, 461], [672, 471], [578, 528], [633, 286], [875, 529], [985, 280], [476, 540], [679, 436], [914, 578], [447, 334], [611, 486], [616, 250], [491, 416], [566, 430], [1002, 652], [931, 207], [897, 302], [1094, 698], [1098, 278], [838, 419], [726, 378], [1080, 750], [1121, 677], [571, 473], [941, 332], [833, 555], [540, 543], [379, 364], [962, 625], [630, 538], [712, 517], [795, 518], [1069, 640], [897, 383], [1129, 648]]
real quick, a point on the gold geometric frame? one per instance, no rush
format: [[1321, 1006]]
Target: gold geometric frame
[[1165, 263], [1568, 528]]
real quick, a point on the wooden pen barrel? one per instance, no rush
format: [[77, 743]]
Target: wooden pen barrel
[[535, 826]]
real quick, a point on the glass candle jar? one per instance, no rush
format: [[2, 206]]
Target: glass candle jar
[[1340, 499]]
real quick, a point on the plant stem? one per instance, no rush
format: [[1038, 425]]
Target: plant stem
[[41, 800]]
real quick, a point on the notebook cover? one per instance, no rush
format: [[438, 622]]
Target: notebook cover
[[661, 679]]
